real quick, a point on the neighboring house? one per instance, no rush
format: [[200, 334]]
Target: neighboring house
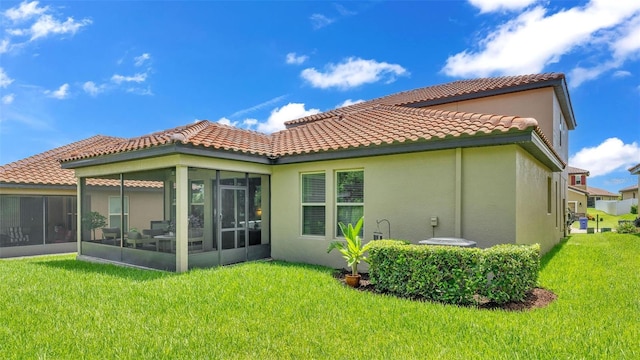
[[630, 192], [485, 157], [596, 194], [38, 203], [635, 170], [577, 194]]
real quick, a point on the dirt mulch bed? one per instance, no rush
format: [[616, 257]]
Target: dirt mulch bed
[[536, 298]]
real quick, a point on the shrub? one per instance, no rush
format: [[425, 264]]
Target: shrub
[[511, 271], [634, 209], [446, 274], [454, 275], [626, 227]]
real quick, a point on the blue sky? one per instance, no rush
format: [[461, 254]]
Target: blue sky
[[73, 69]]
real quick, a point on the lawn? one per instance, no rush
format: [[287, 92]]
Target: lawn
[[610, 221], [57, 308]]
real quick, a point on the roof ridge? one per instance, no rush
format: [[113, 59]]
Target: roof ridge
[[440, 91]]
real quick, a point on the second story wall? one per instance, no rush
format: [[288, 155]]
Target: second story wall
[[540, 104]]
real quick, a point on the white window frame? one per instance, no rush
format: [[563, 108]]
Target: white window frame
[[352, 204], [304, 204], [125, 214]]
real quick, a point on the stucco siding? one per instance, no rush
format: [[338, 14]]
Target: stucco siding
[[488, 188], [404, 189], [577, 199], [537, 104], [537, 220], [407, 190]]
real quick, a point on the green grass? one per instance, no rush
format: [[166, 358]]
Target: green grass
[[58, 308], [610, 221]]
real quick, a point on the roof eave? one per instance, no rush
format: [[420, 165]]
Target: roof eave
[[164, 150], [527, 139]]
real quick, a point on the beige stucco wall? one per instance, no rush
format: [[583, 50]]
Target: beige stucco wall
[[408, 189], [580, 200], [534, 222], [540, 104], [144, 206], [630, 194]]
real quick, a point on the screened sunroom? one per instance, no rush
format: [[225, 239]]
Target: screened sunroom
[[173, 218]]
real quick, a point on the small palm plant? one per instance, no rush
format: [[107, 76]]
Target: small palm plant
[[353, 250]]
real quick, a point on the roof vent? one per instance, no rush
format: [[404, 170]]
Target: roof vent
[[340, 117]]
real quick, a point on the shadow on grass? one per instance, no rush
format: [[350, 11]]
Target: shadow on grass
[[105, 269], [546, 259]]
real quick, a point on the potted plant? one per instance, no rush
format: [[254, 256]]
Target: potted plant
[[352, 251]]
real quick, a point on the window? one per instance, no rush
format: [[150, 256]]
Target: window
[[115, 208], [578, 180], [349, 198], [313, 204], [548, 195]]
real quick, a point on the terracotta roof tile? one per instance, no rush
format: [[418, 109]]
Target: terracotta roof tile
[[629, 188], [44, 168], [597, 191], [203, 133], [440, 92], [575, 170], [384, 124], [381, 121]]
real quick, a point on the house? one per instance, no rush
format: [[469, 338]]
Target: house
[[595, 194], [577, 194], [38, 203], [630, 192], [481, 159]]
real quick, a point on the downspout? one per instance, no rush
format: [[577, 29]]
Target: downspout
[[458, 195]]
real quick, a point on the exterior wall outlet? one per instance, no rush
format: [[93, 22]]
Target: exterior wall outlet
[[434, 221]]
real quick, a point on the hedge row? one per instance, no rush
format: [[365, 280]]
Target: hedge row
[[454, 275]]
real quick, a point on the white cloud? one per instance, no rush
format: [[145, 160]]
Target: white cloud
[[250, 122], [61, 93], [611, 155], [353, 72], [8, 99], [5, 80], [92, 89], [137, 78], [140, 91], [5, 46], [225, 121], [535, 39], [139, 60], [36, 22], [319, 21], [292, 58], [343, 10], [47, 25], [349, 102], [487, 6], [621, 73], [280, 115], [25, 11], [269, 102]]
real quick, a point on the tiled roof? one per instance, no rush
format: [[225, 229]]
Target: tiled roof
[[635, 169], [203, 133], [441, 93], [383, 124], [593, 191], [575, 170], [629, 188], [381, 121], [577, 189], [44, 168]]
